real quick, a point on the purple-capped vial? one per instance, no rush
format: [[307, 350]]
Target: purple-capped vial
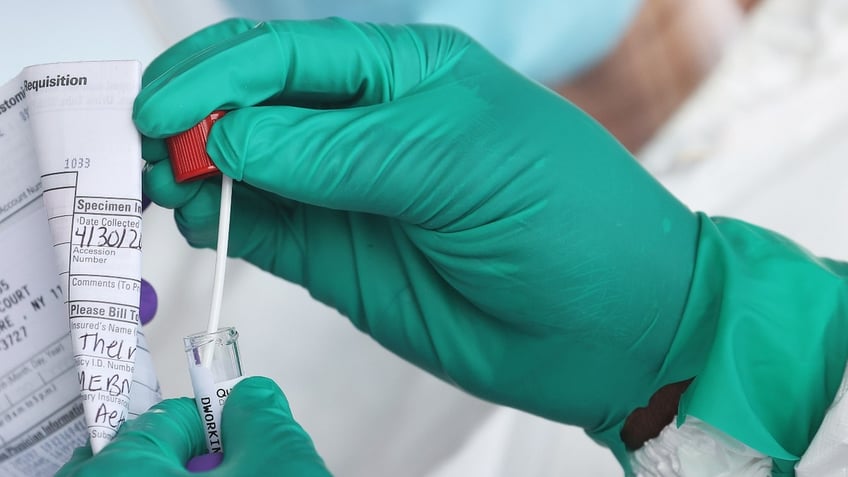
[[204, 462], [148, 304]]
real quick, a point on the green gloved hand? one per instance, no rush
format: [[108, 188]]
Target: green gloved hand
[[485, 229], [259, 434], [470, 220]]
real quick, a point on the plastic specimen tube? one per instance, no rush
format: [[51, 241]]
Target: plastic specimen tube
[[213, 357], [215, 367]]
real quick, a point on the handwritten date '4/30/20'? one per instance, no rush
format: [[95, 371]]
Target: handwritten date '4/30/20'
[[101, 236], [77, 162]]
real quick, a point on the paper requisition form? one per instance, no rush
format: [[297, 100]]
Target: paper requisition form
[[73, 362]]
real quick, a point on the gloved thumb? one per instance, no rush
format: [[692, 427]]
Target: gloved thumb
[[262, 438], [160, 441]]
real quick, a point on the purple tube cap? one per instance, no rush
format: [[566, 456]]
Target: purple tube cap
[[204, 462], [149, 302]]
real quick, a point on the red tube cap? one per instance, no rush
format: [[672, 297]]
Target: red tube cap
[[189, 160]]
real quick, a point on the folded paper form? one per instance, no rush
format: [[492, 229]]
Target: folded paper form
[[73, 362]]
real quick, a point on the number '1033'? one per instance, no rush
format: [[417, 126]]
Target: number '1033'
[[77, 162]]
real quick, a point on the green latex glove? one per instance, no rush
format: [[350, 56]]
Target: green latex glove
[[468, 219], [480, 226], [259, 434]]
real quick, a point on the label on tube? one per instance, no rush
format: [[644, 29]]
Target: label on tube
[[210, 397]]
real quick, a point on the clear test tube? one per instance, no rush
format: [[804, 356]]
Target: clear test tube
[[215, 367]]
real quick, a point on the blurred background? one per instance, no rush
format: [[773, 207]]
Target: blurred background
[[738, 106]]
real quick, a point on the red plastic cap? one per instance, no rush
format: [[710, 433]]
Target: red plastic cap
[[189, 160]]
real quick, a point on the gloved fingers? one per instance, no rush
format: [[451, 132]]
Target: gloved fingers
[[193, 44], [257, 425], [157, 181], [316, 63], [265, 230], [375, 159], [171, 429], [197, 219], [80, 456], [159, 441], [153, 150]]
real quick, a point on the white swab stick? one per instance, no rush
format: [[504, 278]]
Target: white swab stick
[[221, 254]]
